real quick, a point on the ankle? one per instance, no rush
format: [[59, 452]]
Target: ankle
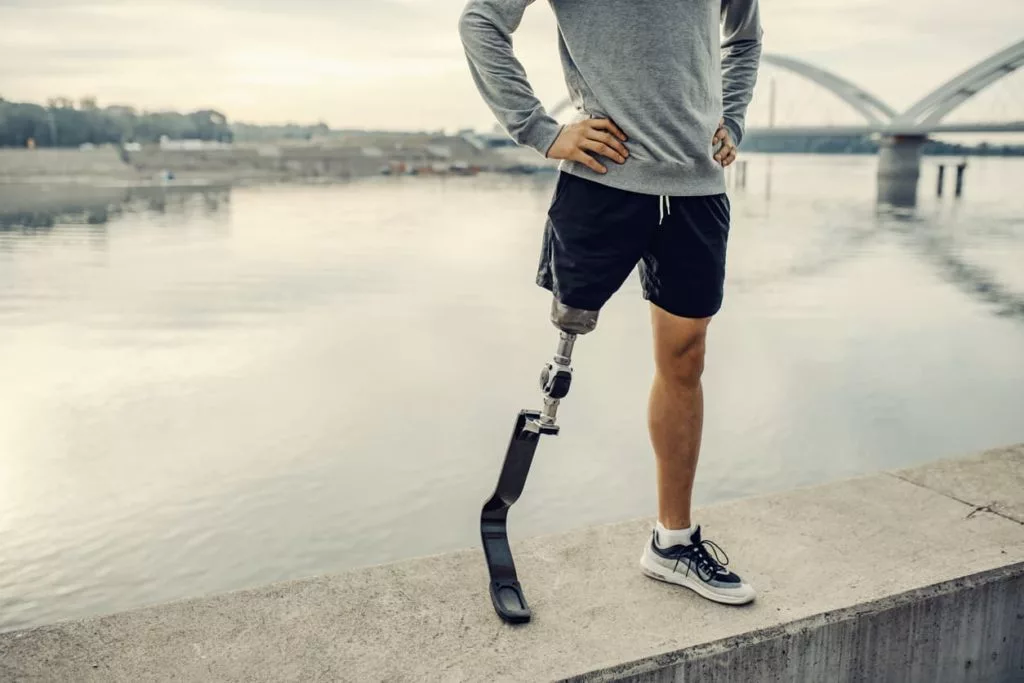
[[666, 536], [674, 523]]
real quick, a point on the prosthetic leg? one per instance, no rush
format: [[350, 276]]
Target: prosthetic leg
[[506, 593]]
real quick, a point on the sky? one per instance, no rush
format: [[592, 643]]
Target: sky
[[398, 64]]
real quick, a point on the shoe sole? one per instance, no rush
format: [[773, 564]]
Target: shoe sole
[[696, 585]]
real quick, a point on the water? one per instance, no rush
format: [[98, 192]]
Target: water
[[218, 389]]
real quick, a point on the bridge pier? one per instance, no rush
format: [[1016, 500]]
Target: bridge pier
[[899, 168]]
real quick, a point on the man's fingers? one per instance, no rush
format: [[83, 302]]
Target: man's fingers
[[723, 153], [617, 131], [720, 135], [609, 140], [588, 161], [607, 124], [730, 157], [603, 150]]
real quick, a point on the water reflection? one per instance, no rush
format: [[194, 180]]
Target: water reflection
[[220, 387], [931, 235], [898, 193], [935, 243], [38, 208]]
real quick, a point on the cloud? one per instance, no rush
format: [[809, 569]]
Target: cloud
[[398, 63]]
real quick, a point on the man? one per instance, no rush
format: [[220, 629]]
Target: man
[[661, 88]]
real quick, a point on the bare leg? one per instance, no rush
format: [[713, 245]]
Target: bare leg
[[676, 411]]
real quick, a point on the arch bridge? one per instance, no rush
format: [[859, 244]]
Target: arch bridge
[[922, 118]]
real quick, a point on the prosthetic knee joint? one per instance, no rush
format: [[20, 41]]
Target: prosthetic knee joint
[[555, 379]]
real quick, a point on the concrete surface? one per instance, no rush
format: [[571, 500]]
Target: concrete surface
[[250, 163], [877, 578], [992, 481], [26, 165], [967, 629]]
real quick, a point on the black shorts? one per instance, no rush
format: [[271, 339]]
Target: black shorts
[[595, 235]]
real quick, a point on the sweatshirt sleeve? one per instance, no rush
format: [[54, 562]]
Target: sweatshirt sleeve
[[741, 55], [486, 28]]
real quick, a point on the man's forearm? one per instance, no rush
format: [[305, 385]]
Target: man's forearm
[[741, 56], [486, 28]]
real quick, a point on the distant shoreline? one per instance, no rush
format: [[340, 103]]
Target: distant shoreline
[[195, 162], [42, 187]]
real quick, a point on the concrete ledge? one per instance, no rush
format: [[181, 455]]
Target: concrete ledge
[[953, 631], [915, 575]]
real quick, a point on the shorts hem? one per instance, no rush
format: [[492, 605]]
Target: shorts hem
[[570, 301], [689, 312]]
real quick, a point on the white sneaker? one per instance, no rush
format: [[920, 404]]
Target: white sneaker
[[694, 567]]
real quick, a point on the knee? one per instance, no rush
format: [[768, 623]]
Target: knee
[[682, 362]]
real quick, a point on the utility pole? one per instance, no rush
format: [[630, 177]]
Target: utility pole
[[771, 124], [53, 127]]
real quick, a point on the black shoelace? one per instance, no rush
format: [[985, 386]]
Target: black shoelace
[[709, 558]]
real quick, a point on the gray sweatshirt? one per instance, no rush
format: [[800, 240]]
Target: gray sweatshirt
[[665, 71]]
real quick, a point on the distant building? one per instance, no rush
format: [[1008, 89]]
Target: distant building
[[476, 141], [439, 151], [166, 144]]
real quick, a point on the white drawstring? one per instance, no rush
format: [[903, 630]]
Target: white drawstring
[[664, 208]]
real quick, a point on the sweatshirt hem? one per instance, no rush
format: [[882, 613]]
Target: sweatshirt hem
[[653, 178]]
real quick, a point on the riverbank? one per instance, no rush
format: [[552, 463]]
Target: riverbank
[[912, 575], [296, 161], [41, 187]]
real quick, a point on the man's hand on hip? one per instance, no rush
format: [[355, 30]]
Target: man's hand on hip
[[726, 154], [579, 141]]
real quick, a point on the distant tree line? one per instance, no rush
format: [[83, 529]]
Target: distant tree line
[[863, 144], [60, 123]]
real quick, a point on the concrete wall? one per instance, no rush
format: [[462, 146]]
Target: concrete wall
[[23, 164], [899, 168], [289, 160], [911, 577], [968, 630]]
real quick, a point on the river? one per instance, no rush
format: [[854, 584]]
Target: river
[[203, 390]]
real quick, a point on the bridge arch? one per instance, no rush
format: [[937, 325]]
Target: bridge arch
[[873, 109], [932, 108], [922, 116]]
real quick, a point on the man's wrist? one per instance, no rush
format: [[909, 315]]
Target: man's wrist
[[541, 133], [735, 130]]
